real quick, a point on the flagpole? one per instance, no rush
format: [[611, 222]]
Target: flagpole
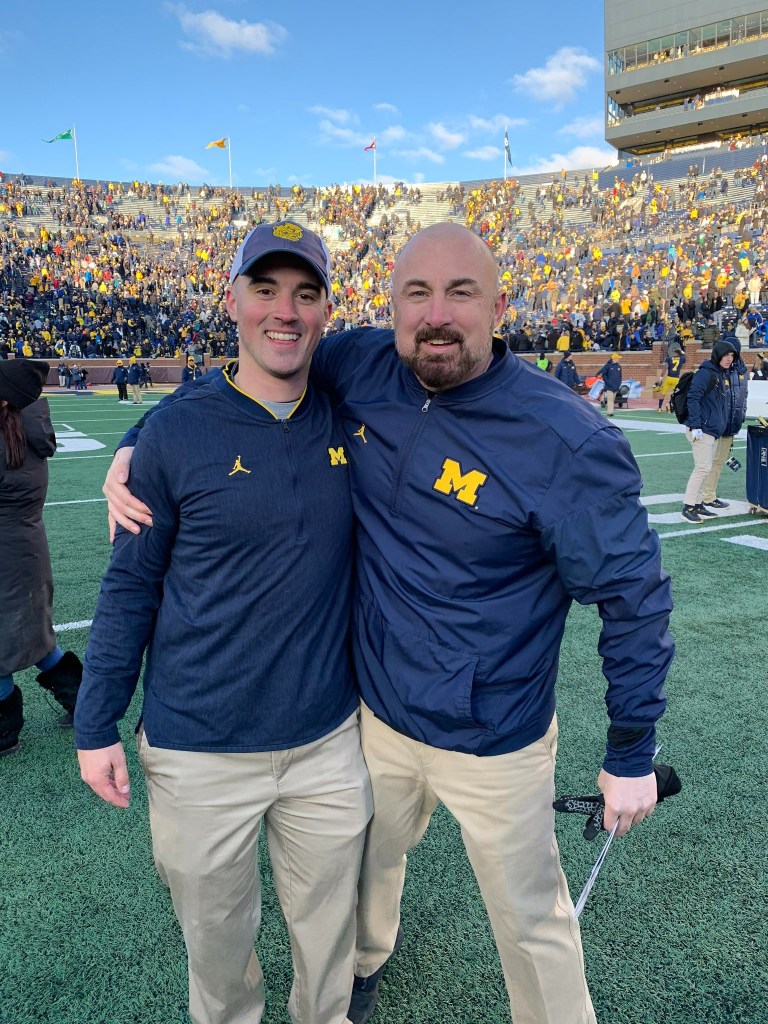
[[77, 162], [506, 137], [229, 151], [374, 161]]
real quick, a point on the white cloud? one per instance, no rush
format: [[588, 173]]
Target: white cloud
[[578, 158], [558, 81], [484, 153], [243, 108], [180, 168], [330, 132], [211, 33], [335, 114], [422, 153], [584, 127], [444, 137], [5, 156], [395, 133], [497, 123], [387, 108]]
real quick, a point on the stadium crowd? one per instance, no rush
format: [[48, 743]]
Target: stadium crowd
[[117, 270]]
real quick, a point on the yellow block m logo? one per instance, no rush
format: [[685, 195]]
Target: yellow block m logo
[[338, 458], [464, 485]]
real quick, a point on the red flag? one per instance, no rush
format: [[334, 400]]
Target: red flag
[[372, 146]]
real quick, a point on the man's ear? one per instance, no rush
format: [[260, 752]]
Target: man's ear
[[230, 301], [499, 307]]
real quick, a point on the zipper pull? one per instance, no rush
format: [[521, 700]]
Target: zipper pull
[[425, 407]]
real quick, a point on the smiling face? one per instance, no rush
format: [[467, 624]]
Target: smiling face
[[280, 308], [446, 303]]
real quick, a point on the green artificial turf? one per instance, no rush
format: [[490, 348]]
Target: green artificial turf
[[674, 932]]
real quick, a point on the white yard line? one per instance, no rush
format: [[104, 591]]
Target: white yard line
[[76, 501], [74, 458], [686, 451], [696, 531]]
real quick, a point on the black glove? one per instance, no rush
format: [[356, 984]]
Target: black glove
[[667, 784]]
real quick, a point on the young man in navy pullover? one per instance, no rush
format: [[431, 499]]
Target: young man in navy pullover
[[240, 593], [487, 500]]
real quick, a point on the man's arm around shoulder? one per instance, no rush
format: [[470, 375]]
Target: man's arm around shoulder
[[123, 508]]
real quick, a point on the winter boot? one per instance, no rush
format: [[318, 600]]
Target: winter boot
[[11, 721], [63, 681]]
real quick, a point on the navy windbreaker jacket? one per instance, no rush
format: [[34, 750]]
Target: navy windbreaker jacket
[[712, 401], [482, 512], [241, 589], [611, 374]]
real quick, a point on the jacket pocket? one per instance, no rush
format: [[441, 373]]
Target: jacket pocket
[[433, 684]]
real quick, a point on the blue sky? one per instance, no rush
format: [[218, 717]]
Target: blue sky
[[300, 89]]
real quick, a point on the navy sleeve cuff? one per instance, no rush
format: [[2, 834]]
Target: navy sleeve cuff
[[630, 756]]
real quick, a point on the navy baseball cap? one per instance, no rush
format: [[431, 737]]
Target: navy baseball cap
[[284, 237]]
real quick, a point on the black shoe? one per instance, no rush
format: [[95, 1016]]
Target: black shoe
[[11, 721], [706, 512], [63, 680], [717, 503], [365, 991], [690, 513]]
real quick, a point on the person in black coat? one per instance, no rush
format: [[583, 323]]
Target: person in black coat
[[120, 377], [566, 372], [611, 374], [715, 413], [27, 638]]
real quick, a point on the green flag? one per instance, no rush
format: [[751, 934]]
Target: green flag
[[64, 135]]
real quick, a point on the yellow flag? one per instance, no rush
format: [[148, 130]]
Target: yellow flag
[[218, 144]]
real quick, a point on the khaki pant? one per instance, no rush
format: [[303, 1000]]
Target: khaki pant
[[722, 448], [703, 457], [609, 400], [504, 807], [136, 392], [205, 813]]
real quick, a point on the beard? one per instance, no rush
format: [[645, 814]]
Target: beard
[[438, 371]]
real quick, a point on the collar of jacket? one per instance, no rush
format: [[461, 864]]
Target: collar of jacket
[[225, 385], [503, 366]]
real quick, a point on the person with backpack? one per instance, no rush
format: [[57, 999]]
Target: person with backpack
[[738, 377], [713, 407]]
